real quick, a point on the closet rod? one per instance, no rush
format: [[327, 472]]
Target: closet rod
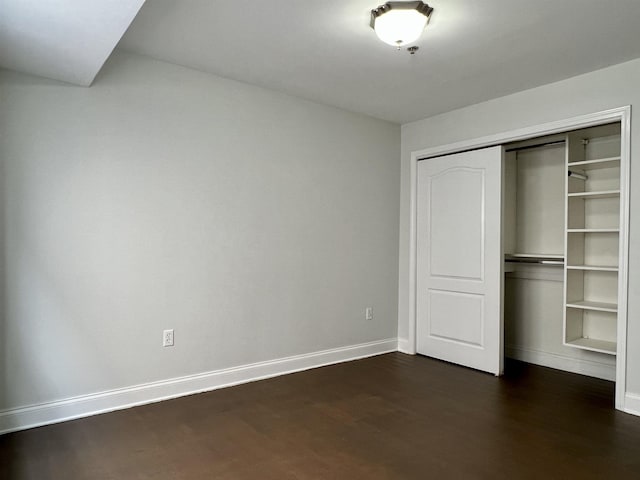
[[537, 145], [579, 176]]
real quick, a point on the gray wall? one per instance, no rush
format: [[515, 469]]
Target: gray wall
[[255, 224], [596, 91]]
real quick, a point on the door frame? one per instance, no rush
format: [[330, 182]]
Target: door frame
[[620, 114]]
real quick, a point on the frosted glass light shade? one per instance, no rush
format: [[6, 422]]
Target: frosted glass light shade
[[400, 27], [400, 23]]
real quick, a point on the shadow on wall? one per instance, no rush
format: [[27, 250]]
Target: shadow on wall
[[3, 288], [40, 288]]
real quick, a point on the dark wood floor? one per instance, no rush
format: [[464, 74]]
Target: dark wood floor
[[392, 416]]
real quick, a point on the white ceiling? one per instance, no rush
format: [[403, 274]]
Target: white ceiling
[[66, 40], [324, 50], [473, 50]]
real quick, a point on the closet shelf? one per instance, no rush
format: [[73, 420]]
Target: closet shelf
[[601, 194], [533, 259], [593, 230], [594, 345], [596, 164], [555, 256], [595, 268], [597, 306]]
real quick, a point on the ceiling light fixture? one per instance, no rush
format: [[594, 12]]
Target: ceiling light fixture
[[400, 23]]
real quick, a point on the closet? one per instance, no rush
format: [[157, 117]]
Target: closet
[[561, 225], [520, 252]]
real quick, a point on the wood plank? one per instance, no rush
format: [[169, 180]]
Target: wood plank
[[594, 345], [594, 195], [594, 268], [599, 163], [597, 306]]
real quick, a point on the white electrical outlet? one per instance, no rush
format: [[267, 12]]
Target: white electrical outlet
[[167, 338], [368, 313]]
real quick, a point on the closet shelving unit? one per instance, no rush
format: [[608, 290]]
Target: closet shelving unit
[[592, 239]]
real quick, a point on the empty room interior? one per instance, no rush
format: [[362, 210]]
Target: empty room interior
[[343, 239]]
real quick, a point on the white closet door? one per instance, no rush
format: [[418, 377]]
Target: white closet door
[[459, 259]]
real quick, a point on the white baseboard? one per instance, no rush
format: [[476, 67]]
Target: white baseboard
[[632, 404], [590, 368], [86, 405], [403, 346]]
